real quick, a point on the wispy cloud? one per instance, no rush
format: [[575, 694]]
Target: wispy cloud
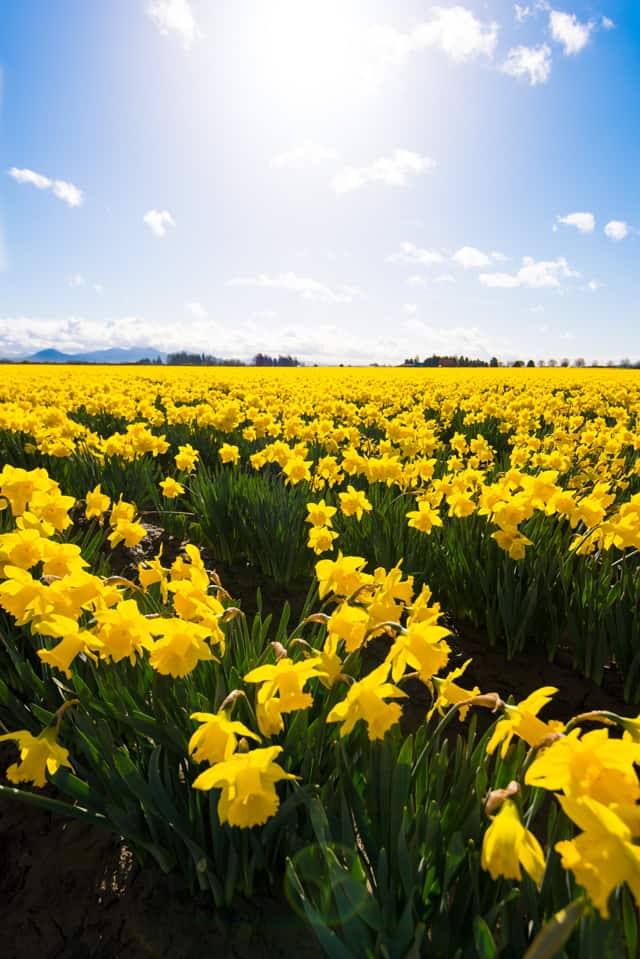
[[307, 287], [569, 32], [410, 253], [307, 154], [583, 222], [470, 258], [174, 16], [523, 10], [530, 63], [77, 280], [393, 170], [532, 273], [64, 190], [158, 221], [454, 30], [467, 257]]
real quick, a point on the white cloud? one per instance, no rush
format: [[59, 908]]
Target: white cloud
[[158, 221], [307, 154], [29, 176], [176, 16], [64, 190], [503, 281], [457, 32], [410, 253], [67, 192], [307, 287], [532, 273], [467, 341], [538, 308], [607, 23], [444, 278], [617, 230], [416, 280], [594, 285], [533, 63], [453, 30], [522, 11], [393, 170], [410, 308], [584, 222], [568, 31], [78, 280], [469, 258], [328, 343], [197, 309]]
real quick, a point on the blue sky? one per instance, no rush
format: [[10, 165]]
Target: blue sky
[[344, 181]]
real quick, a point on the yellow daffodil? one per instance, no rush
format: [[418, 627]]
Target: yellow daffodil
[[217, 737], [522, 720], [593, 765], [354, 503], [604, 855], [508, 845], [39, 755], [366, 700], [247, 781], [171, 488]]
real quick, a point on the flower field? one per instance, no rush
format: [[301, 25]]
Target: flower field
[[246, 751]]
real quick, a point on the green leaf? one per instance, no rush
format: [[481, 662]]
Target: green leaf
[[53, 805], [630, 922], [555, 933], [483, 940]]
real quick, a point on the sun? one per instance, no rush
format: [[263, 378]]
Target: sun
[[310, 54]]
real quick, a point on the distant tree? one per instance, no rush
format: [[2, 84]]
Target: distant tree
[[552, 362], [541, 362], [564, 361], [494, 361], [625, 363], [518, 363], [263, 359], [287, 361], [579, 362], [530, 364]]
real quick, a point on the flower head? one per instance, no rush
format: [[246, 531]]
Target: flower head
[[366, 700], [217, 737], [522, 720], [508, 845], [38, 755], [247, 781]]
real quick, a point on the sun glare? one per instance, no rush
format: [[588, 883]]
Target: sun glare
[[310, 54]]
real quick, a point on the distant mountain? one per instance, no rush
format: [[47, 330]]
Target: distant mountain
[[115, 355]]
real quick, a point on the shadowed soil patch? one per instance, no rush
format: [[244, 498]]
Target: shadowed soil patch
[[74, 891]]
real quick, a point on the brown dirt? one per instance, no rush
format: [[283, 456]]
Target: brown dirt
[[73, 891]]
